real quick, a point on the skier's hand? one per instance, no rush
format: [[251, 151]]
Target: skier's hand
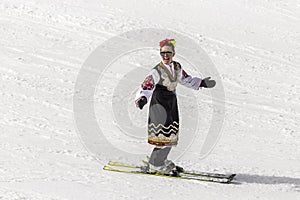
[[141, 102], [208, 83]]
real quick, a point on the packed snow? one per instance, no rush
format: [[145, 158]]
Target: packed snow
[[254, 46]]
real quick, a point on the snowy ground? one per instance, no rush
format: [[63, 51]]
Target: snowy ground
[[255, 46]]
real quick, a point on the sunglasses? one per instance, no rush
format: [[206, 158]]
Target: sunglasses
[[169, 53]]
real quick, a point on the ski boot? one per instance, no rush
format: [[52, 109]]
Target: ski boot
[[167, 168]]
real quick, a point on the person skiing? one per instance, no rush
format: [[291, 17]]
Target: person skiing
[[163, 120]]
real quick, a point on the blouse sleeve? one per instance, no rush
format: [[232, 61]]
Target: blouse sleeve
[[189, 81], [147, 87]]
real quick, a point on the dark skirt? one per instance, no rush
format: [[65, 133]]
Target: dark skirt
[[163, 121]]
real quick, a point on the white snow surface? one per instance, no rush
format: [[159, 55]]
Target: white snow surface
[[255, 46]]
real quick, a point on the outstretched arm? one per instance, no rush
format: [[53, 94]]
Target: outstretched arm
[[189, 81], [146, 89], [195, 82]]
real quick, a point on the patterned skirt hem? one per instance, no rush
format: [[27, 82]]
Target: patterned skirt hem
[[162, 143]]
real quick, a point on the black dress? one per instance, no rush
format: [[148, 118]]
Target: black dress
[[163, 121]]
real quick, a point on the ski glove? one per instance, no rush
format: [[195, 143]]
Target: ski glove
[[207, 83], [141, 102]]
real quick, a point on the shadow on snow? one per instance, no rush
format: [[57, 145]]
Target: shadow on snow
[[260, 179]]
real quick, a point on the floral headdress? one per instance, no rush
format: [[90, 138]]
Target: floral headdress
[[165, 41]]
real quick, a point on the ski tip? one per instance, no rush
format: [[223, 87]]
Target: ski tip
[[232, 175], [230, 178], [107, 167], [112, 162]]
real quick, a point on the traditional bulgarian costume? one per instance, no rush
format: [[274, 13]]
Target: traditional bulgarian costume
[[160, 85]]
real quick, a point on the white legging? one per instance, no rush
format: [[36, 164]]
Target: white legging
[[159, 155]]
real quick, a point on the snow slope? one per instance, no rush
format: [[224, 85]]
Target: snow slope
[[255, 46]]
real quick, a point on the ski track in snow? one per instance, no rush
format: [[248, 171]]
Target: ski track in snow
[[254, 45]]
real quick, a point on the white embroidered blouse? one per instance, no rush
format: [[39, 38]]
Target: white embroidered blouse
[[164, 77]]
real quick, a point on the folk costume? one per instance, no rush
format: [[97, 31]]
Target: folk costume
[[163, 121], [160, 84]]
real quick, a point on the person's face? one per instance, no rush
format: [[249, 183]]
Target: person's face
[[167, 54]]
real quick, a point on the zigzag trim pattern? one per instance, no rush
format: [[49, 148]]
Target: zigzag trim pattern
[[162, 126], [161, 131]]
